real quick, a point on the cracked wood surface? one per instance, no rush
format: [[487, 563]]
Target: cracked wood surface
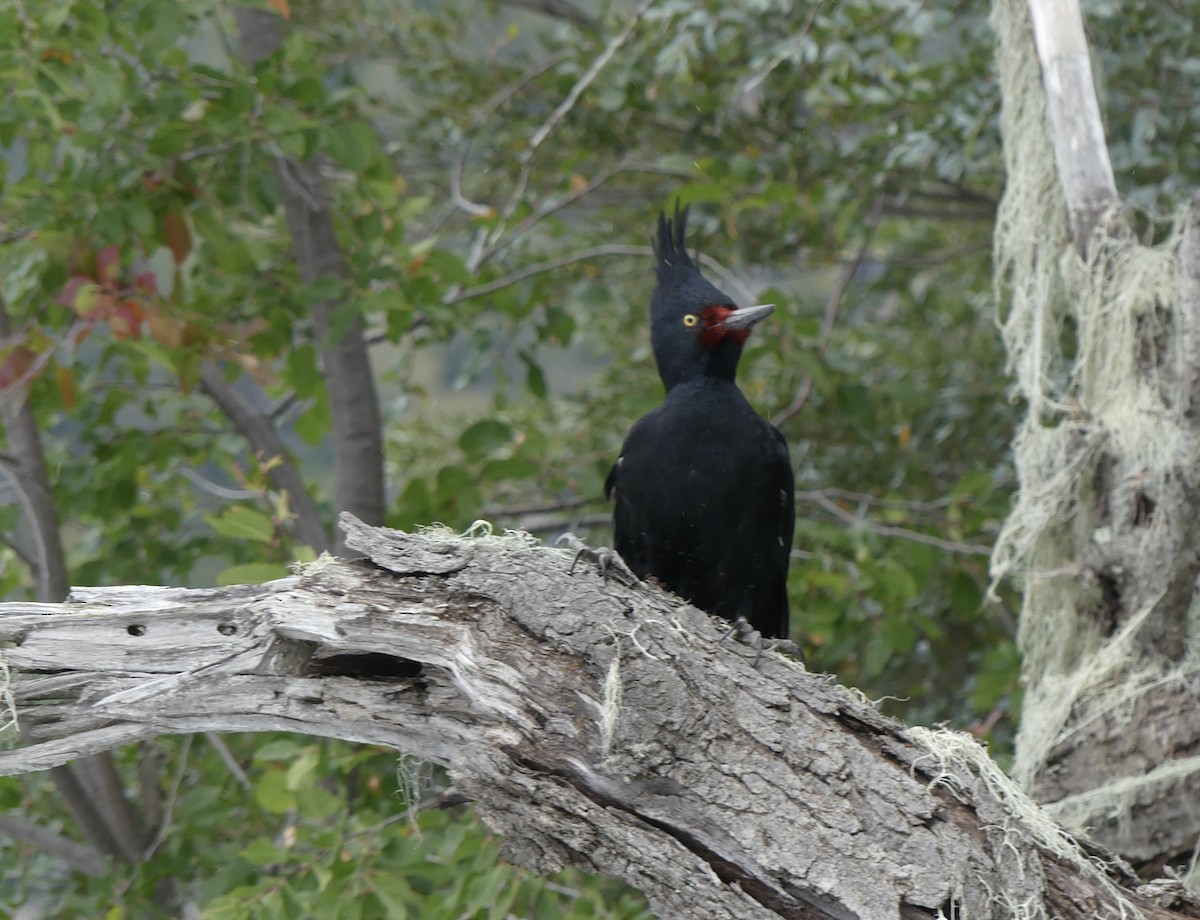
[[592, 723]]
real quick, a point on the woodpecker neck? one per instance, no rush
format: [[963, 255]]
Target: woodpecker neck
[[713, 362]]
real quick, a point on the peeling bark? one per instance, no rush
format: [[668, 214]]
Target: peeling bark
[[593, 724]]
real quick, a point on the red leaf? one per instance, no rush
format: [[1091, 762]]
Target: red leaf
[[146, 283], [66, 385], [164, 329], [16, 366], [125, 320], [177, 236], [69, 295], [108, 265], [98, 306]]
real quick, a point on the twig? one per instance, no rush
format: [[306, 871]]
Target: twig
[[582, 255], [200, 152], [264, 439], [535, 507], [568, 103], [885, 530], [751, 83], [236, 495], [229, 760], [509, 90], [456, 196], [559, 203], [172, 797], [915, 505], [832, 305]]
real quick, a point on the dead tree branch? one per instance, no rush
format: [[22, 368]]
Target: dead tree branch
[[593, 724]]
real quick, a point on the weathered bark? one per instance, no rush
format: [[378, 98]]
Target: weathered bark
[[593, 724], [345, 360], [1108, 520]]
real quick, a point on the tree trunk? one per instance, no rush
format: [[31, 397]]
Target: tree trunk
[[90, 788], [345, 360], [595, 724], [1106, 530]]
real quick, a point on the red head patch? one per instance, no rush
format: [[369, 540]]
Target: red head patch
[[714, 332]]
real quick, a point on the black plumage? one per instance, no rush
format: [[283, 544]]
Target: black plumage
[[703, 485]]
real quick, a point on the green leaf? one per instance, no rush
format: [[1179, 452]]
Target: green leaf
[[878, 652], [535, 377], [458, 494], [262, 852], [485, 437], [271, 792], [252, 573], [281, 749], [301, 768], [354, 146], [242, 523]]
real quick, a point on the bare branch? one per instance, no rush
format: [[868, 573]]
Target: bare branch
[[172, 797], [529, 271], [490, 658], [886, 530], [568, 103], [1077, 128], [752, 82], [582, 255], [79, 857], [832, 305], [556, 9], [557, 204], [229, 760], [265, 441]]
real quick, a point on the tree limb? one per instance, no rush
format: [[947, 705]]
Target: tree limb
[[593, 724], [353, 400], [264, 440], [1075, 124], [90, 788], [79, 857]]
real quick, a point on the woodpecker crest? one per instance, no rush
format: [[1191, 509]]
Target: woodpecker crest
[[696, 329]]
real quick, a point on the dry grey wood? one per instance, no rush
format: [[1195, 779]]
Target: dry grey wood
[[594, 724], [1077, 129]]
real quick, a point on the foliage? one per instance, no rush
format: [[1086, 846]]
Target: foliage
[[320, 829], [842, 159]]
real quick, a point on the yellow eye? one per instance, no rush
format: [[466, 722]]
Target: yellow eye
[[690, 320]]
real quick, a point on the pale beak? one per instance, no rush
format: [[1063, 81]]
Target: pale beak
[[748, 316]]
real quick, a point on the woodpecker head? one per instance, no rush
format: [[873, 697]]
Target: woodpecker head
[[695, 329]]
